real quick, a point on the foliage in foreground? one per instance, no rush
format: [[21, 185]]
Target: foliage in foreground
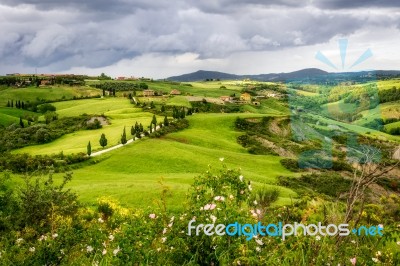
[[41, 223]]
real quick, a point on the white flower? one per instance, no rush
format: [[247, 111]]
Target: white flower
[[258, 249], [172, 219], [241, 192], [231, 197], [221, 159], [152, 215], [164, 231], [111, 237], [32, 249], [19, 241], [380, 226], [158, 249], [258, 211], [163, 239], [398, 243], [62, 251], [213, 218], [42, 237], [219, 198], [255, 202], [104, 244], [89, 249], [238, 262], [100, 220], [104, 252], [353, 241], [250, 188], [241, 178], [259, 241], [95, 263], [378, 254], [318, 238], [115, 252], [55, 235], [375, 260], [170, 224]]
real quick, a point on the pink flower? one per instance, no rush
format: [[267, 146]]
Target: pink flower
[[353, 261], [209, 206], [152, 215]]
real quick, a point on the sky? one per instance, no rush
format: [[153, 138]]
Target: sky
[[160, 38]]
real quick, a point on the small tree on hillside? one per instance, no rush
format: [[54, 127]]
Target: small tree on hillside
[[166, 122], [21, 123], [141, 127], [154, 121], [151, 128], [133, 131], [8, 103], [123, 137], [89, 149], [138, 135], [103, 140], [162, 108]]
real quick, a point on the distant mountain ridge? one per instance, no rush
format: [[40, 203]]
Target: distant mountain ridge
[[307, 73]]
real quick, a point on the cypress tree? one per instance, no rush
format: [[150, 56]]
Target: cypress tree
[[166, 122], [162, 108], [103, 140], [138, 135], [151, 128], [89, 149], [21, 123], [137, 128], [123, 137], [133, 131], [154, 121], [141, 127]]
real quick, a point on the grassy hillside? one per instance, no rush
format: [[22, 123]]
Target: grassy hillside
[[49, 93], [12, 115]]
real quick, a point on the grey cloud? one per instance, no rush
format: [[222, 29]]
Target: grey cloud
[[100, 33], [345, 4]]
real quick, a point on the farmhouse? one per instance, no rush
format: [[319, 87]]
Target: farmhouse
[[175, 92], [226, 98], [245, 97], [147, 93]]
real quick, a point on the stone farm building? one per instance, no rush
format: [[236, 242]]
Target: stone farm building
[[147, 93]]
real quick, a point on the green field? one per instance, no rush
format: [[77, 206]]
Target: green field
[[119, 111], [11, 115], [131, 174], [48, 93]]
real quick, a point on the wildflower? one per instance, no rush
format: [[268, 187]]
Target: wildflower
[[258, 211], [380, 226], [209, 206], [259, 241], [42, 237], [111, 237], [95, 263], [258, 249], [164, 231], [353, 241], [104, 244], [398, 243], [100, 220], [163, 239], [19, 241], [250, 188], [172, 219], [158, 249], [219, 198], [253, 213], [238, 262], [221, 159], [115, 252], [255, 202], [170, 224], [318, 238], [62, 251], [231, 197], [353, 261], [104, 252], [375, 260], [55, 235], [152, 216], [241, 192], [32, 249], [89, 249], [241, 178], [378, 254], [213, 218]]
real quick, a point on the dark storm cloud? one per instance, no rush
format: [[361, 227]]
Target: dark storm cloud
[[344, 4], [66, 34]]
